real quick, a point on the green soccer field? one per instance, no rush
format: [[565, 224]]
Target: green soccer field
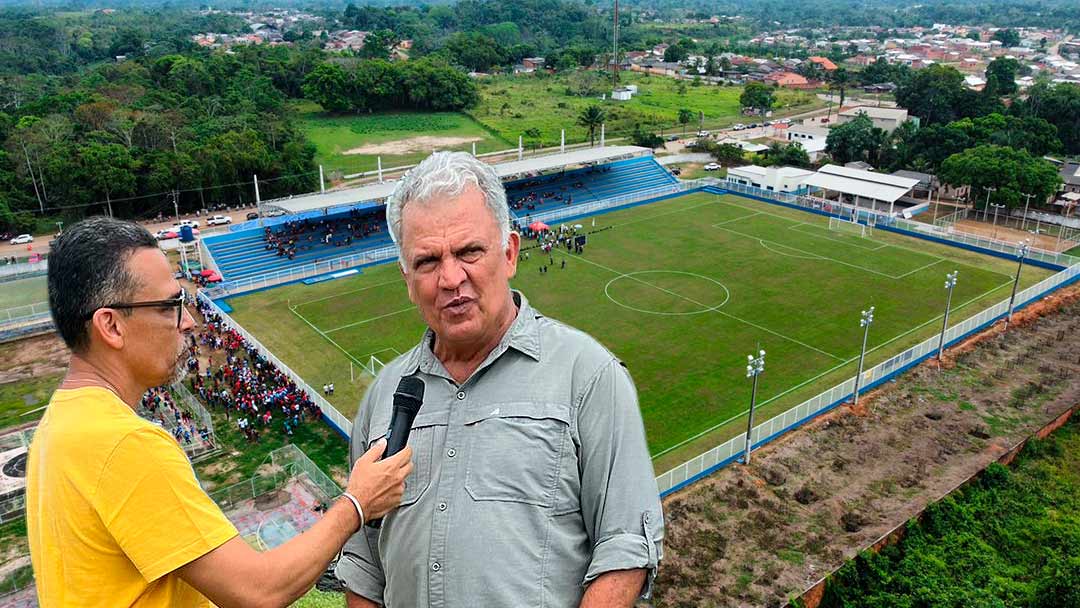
[[681, 290]]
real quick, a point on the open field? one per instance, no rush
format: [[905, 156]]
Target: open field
[[23, 292], [353, 143], [511, 105], [682, 290]]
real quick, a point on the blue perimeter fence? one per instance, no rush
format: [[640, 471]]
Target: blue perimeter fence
[[732, 450]]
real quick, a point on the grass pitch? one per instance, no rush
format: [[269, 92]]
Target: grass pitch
[[682, 290]]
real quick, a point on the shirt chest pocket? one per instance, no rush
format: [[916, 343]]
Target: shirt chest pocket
[[422, 438], [516, 451]]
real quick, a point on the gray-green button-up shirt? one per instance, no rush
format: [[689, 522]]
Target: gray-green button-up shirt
[[531, 479]]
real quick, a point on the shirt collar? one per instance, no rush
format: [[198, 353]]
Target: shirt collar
[[523, 336]]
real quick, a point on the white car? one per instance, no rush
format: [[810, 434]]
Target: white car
[[702, 133], [22, 239], [192, 223], [218, 220], [738, 126], [784, 121], [712, 167]]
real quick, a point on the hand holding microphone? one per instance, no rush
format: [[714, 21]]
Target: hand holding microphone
[[378, 484], [408, 398]]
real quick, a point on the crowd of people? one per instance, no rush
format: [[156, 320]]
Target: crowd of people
[[301, 235], [159, 406], [246, 386]]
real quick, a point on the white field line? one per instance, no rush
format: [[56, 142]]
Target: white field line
[[345, 293], [911, 272], [707, 307], [382, 350], [790, 255], [672, 212], [829, 238], [326, 337], [744, 217], [822, 374], [824, 257], [375, 318]]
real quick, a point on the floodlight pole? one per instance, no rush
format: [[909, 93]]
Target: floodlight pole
[[1021, 253], [754, 367], [986, 208], [865, 322], [1027, 203], [950, 283], [997, 208]]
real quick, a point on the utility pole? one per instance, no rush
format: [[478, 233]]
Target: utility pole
[[950, 283], [986, 208], [1027, 203], [997, 208], [1021, 253], [865, 322], [754, 367], [615, 49], [176, 205]]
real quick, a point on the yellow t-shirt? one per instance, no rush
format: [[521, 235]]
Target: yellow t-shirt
[[113, 507]]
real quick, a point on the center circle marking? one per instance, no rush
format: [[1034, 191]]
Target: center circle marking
[[705, 309]]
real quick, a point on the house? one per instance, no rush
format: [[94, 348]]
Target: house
[[824, 62], [775, 179], [1070, 176], [974, 83], [804, 133], [533, 63], [883, 118], [621, 94], [787, 80]]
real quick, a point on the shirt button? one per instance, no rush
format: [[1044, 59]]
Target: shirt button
[[451, 453], [442, 506], [435, 567], [460, 395]]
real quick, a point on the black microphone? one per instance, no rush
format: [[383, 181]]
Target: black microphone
[[408, 398]]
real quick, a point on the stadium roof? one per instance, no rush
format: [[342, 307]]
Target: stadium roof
[[375, 193], [865, 184]]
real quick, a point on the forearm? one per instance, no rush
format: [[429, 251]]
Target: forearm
[[615, 589], [290, 570]]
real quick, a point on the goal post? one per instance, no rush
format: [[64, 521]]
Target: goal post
[[850, 227]]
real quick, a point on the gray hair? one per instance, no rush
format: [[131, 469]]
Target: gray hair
[[448, 175]]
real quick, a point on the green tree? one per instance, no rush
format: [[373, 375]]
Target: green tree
[[787, 155], [1060, 106], [1011, 172], [676, 53], [840, 80], [1001, 76], [758, 97], [591, 118], [727, 154], [933, 94], [377, 44], [329, 86], [1007, 37], [645, 139], [476, 51], [109, 169], [857, 139], [685, 116]]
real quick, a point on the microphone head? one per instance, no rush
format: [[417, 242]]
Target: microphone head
[[409, 393]]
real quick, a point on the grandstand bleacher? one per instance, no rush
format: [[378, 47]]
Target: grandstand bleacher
[[586, 185], [243, 254]]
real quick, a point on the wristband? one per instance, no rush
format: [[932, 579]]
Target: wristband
[[359, 509]]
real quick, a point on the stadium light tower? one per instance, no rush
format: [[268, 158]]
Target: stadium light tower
[[986, 208], [1027, 203], [754, 367], [950, 283], [1021, 253], [997, 208], [865, 322]]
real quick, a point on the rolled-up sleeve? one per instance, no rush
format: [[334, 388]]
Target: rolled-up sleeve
[[359, 567], [619, 499]]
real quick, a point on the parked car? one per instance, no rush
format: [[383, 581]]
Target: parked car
[[672, 138], [252, 216], [676, 171], [785, 121], [753, 125], [22, 239], [192, 223], [218, 220], [165, 233], [702, 133], [738, 126], [712, 167]]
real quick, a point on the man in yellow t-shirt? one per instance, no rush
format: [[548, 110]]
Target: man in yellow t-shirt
[[115, 516]]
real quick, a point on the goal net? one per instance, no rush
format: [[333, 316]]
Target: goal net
[[839, 225], [375, 365]]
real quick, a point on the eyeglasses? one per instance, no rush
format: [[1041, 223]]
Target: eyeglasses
[[178, 302]]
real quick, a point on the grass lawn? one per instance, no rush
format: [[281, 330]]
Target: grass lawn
[[23, 292], [682, 290], [19, 400], [539, 101], [333, 136], [320, 599], [697, 171]]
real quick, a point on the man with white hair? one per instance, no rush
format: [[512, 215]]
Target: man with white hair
[[533, 483]]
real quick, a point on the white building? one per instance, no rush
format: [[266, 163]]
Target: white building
[[776, 179], [883, 118]]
